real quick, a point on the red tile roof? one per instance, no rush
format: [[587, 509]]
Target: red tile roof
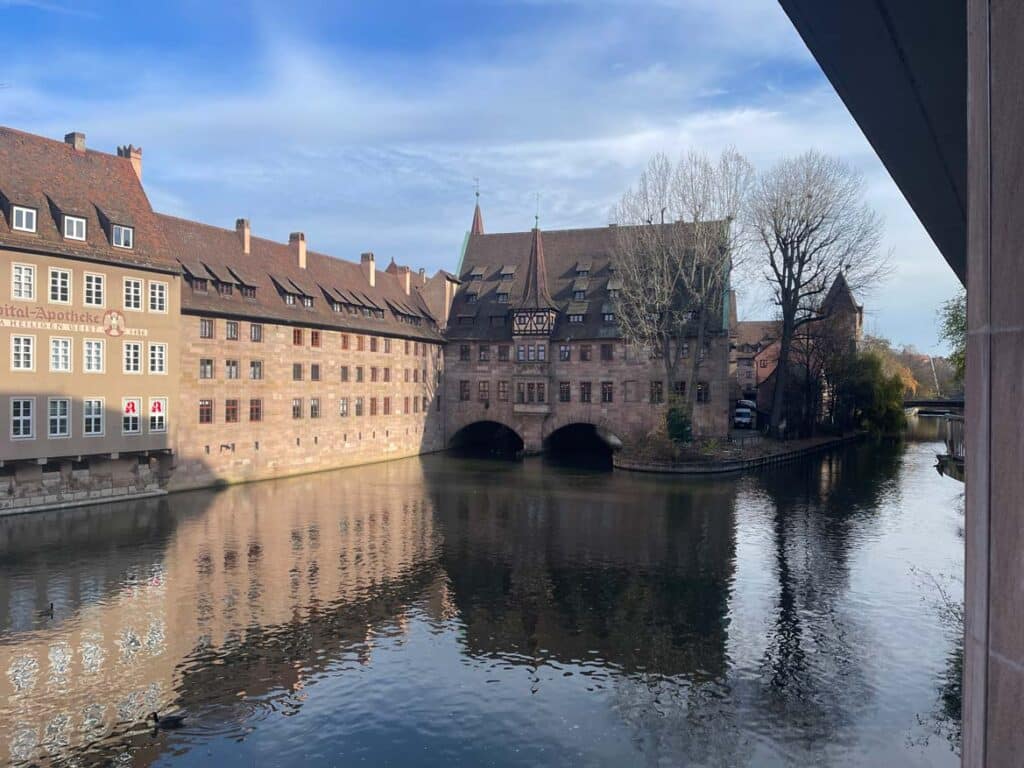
[[272, 268], [56, 179]]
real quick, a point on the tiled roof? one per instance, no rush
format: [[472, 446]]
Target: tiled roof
[[272, 267], [756, 332], [839, 294], [564, 251], [56, 179]]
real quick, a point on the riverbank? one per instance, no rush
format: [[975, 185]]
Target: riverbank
[[733, 457]]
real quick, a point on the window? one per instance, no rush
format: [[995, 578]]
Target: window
[[540, 392], [359, 406], [416, 375], [657, 392], [607, 352], [703, 392], [408, 375], [314, 338], [471, 298], [92, 353], [373, 343], [23, 353], [503, 391], [255, 332], [158, 300], [23, 282], [289, 299], [586, 353], [92, 417], [564, 392], [206, 368], [575, 318], [564, 353], [685, 352], [297, 337], [542, 352], [503, 353], [484, 354], [205, 328], [387, 406], [133, 357], [679, 388], [762, 363], [584, 391], [344, 373], [607, 391], [579, 295], [158, 414], [483, 391], [464, 390], [531, 353], [158, 358], [60, 286], [344, 341], [608, 317], [359, 343], [255, 409], [131, 418], [231, 411], [230, 369], [387, 374], [521, 353], [206, 411], [343, 407], [255, 370], [198, 284], [373, 373], [93, 290], [373, 406], [521, 392], [296, 371], [225, 289], [21, 418], [464, 352], [359, 374], [122, 237], [24, 219], [60, 355], [58, 417], [231, 330], [133, 294], [502, 297], [314, 372], [247, 291], [296, 407]]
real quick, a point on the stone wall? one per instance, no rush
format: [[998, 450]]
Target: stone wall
[[279, 444]]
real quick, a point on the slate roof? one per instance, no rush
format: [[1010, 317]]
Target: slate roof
[[272, 267], [56, 179], [563, 251], [839, 296]]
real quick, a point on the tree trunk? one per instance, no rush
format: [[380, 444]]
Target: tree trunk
[[781, 378]]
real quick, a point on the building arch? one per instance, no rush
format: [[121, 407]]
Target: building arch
[[487, 436]]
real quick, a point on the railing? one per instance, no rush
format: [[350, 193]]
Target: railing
[[955, 437]]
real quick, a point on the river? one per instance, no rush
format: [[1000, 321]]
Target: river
[[445, 611]]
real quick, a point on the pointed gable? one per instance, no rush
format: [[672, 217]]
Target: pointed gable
[[535, 289]]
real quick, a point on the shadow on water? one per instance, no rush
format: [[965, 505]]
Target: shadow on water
[[486, 439], [578, 446]]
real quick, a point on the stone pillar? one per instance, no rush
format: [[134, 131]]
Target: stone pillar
[[993, 695]]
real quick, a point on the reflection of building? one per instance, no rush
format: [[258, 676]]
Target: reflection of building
[[533, 342], [89, 298], [273, 588]]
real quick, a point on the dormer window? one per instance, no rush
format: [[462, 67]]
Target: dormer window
[[122, 237], [225, 289], [582, 272], [579, 295], [502, 297], [508, 276], [307, 302], [289, 299], [199, 284], [247, 292], [74, 228], [613, 294], [575, 318], [336, 306], [471, 298], [23, 219], [608, 317]]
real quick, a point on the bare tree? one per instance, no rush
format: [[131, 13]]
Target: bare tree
[[679, 234], [809, 215]]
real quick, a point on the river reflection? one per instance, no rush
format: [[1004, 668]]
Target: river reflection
[[443, 611]]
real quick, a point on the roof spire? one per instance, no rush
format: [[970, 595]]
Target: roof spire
[[535, 291], [478, 220]]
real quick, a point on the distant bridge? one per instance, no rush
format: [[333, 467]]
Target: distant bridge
[[936, 404]]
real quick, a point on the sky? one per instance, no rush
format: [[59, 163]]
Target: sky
[[366, 124]]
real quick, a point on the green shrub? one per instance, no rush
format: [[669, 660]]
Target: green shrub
[[677, 422]]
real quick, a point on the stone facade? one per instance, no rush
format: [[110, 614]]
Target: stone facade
[[358, 398]]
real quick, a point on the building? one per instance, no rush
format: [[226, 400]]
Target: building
[[89, 324], [753, 338], [533, 344]]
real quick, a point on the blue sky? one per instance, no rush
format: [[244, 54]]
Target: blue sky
[[364, 123]]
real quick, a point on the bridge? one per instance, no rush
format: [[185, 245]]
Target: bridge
[[936, 405]]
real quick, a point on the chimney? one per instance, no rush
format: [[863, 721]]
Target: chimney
[[242, 228], [132, 153], [405, 276], [369, 267], [423, 277], [297, 242], [76, 140]]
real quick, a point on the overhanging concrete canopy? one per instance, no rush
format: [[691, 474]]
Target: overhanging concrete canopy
[[901, 69]]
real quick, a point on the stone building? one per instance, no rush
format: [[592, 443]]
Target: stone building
[[533, 343], [89, 310]]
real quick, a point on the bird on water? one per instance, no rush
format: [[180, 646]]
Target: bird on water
[[166, 721]]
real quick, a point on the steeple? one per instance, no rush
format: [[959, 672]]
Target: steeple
[[535, 291], [478, 219]]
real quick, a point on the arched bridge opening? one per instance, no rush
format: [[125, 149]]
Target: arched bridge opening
[[487, 439], [581, 445]]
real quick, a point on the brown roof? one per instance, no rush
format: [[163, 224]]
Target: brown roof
[[272, 268], [477, 227], [535, 288], [57, 180], [839, 296], [757, 332], [563, 251]]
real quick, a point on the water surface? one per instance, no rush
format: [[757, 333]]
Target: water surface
[[444, 611]]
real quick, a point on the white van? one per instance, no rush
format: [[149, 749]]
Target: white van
[[743, 417]]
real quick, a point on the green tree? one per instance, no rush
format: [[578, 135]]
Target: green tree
[[872, 398], [953, 331]]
